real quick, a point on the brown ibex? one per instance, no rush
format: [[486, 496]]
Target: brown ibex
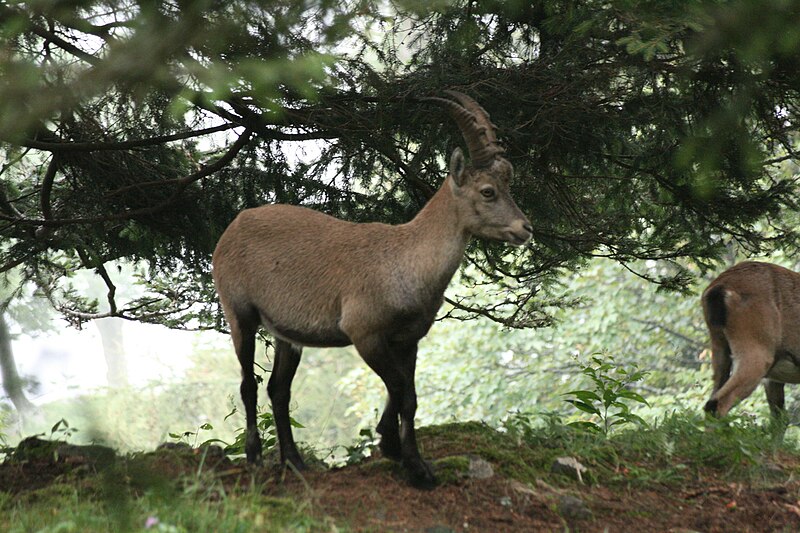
[[314, 280], [752, 311]]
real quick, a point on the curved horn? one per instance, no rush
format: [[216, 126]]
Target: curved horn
[[475, 126], [480, 113]]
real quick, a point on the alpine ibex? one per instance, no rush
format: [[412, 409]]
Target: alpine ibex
[[752, 311], [314, 280]]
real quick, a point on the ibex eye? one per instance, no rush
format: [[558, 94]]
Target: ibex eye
[[488, 192]]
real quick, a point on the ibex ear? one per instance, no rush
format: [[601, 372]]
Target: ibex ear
[[457, 166]]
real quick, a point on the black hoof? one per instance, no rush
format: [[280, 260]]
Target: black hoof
[[295, 463], [711, 407], [255, 462], [421, 476], [252, 448]]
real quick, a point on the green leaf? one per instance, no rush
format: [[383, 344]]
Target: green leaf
[[582, 424], [586, 407], [632, 396], [214, 441], [585, 395], [58, 424]]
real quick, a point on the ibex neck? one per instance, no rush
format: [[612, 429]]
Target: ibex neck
[[440, 211], [438, 239]]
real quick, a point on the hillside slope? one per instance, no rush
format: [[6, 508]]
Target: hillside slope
[[681, 476]]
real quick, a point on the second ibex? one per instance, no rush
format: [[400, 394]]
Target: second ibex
[[314, 280], [752, 311]]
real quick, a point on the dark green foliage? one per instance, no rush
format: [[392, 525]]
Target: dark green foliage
[[639, 130], [677, 447], [267, 430]]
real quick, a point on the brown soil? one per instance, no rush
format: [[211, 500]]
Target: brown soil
[[381, 501], [373, 496]]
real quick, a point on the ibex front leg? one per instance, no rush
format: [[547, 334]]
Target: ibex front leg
[[389, 427], [396, 364]]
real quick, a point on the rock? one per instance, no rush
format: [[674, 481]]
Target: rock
[[572, 508], [568, 466], [36, 449], [458, 467], [479, 468]]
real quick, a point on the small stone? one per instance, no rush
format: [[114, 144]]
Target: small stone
[[505, 501], [479, 468], [572, 508], [569, 466]]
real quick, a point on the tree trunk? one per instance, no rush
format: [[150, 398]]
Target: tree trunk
[[12, 384], [114, 351]]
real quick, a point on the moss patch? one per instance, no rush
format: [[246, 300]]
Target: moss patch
[[451, 469]]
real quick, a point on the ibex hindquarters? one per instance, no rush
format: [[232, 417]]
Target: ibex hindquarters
[[752, 311], [313, 280]]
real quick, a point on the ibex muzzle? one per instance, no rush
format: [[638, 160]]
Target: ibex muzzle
[[313, 280], [752, 311]]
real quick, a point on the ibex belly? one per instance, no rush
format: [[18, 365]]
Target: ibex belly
[[308, 334]]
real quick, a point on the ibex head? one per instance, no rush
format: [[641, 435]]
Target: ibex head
[[482, 188]]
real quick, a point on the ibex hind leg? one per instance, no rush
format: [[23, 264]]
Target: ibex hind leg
[[243, 333], [721, 364], [752, 361], [775, 397], [287, 357]]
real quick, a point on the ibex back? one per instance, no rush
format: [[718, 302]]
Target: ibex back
[[313, 280], [753, 315]]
